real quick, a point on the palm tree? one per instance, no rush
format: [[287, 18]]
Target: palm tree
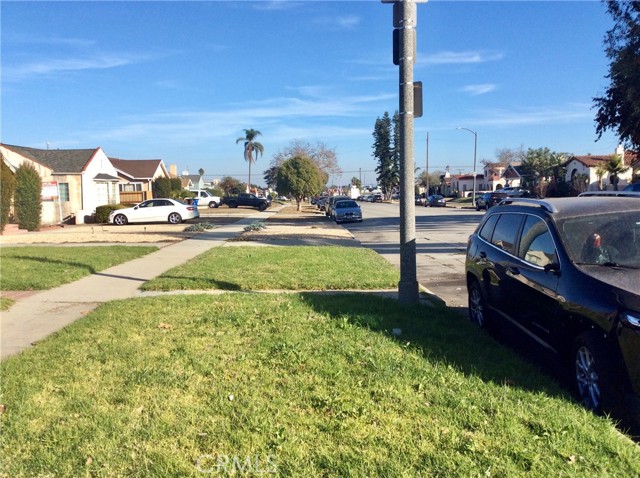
[[616, 166], [601, 170], [251, 147]]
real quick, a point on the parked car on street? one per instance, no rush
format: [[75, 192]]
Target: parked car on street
[[488, 200], [632, 187], [420, 200], [347, 210], [248, 200], [566, 272], [155, 210], [515, 192], [328, 211], [436, 201]]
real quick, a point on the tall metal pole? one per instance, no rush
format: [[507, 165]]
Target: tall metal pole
[[475, 152], [426, 174], [408, 289]]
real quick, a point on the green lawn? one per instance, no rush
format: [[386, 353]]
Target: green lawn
[[41, 268], [280, 268], [302, 385]]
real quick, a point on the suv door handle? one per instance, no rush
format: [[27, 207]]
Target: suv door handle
[[483, 255], [513, 271]]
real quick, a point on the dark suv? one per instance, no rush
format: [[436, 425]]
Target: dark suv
[[566, 272], [488, 200]]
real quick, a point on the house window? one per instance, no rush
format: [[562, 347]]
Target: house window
[[130, 187], [63, 189]]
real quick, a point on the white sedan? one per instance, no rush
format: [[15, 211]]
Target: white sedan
[[155, 210]]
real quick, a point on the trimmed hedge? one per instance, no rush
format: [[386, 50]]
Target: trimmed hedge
[[102, 212], [7, 188], [28, 197]]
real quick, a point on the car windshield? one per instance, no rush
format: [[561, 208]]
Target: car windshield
[[345, 204], [603, 239]]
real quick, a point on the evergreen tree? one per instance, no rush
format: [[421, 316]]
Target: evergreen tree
[[7, 188], [28, 197], [385, 154]]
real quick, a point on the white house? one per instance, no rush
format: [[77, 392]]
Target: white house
[[588, 165], [75, 181]]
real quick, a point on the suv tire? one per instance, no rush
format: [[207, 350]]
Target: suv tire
[[478, 310], [596, 382]]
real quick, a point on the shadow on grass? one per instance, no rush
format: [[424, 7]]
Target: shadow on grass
[[441, 335], [187, 283], [48, 260]]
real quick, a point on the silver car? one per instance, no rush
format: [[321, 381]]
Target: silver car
[[155, 210], [347, 210]]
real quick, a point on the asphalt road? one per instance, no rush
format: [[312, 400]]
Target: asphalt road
[[441, 240]]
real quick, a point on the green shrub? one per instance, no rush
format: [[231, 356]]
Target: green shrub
[[199, 227], [255, 226], [102, 212], [7, 188], [161, 188], [28, 197]]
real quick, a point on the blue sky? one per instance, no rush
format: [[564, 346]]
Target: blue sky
[[180, 81]]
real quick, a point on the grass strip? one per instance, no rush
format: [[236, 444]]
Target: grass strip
[[301, 385], [41, 268], [245, 268]]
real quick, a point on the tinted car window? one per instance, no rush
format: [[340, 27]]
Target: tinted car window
[[345, 204], [487, 230], [536, 245], [504, 235]]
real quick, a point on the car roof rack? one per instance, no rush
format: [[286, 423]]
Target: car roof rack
[[630, 194], [529, 202]]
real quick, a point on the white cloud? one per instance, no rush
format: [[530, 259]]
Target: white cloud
[[50, 67], [460, 57], [475, 90], [563, 114]]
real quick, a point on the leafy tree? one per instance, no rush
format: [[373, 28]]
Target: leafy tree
[[161, 188], [541, 167], [201, 172], [7, 188], [324, 157], [231, 186], [251, 148], [300, 177], [619, 108], [615, 166], [385, 153], [28, 197], [356, 182]]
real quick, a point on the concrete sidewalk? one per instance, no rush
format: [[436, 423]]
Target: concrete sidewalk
[[35, 317]]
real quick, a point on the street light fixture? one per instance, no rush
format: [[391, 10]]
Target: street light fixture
[[475, 152]]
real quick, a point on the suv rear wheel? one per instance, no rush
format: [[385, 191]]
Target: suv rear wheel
[[478, 311]]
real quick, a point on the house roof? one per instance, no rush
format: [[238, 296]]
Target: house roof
[[59, 160], [137, 168], [592, 161], [467, 177], [513, 171], [105, 177]]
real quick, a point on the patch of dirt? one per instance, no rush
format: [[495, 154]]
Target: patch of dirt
[[286, 227]]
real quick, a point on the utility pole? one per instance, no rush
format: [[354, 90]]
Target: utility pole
[[404, 49], [426, 173]]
